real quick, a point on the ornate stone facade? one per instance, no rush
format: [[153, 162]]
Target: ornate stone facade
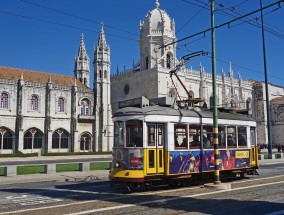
[[151, 77], [55, 113], [276, 109]]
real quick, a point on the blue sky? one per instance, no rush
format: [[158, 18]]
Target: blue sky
[[45, 37]]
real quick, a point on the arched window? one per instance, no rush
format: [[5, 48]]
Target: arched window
[[191, 93], [211, 101], [248, 104], [168, 61], [105, 75], [4, 102], [34, 102], [60, 106], [60, 139], [85, 81], [6, 139], [147, 63], [233, 103], [55, 140], [172, 92], [85, 107], [33, 139], [100, 73], [85, 142]]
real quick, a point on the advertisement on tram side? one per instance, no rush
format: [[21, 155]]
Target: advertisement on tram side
[[197, 161], [232, 159]]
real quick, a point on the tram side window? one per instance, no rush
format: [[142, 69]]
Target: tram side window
[[207, 136], [252, 136], [181, 141], [134, 133], [160, 135], [194, 136], [231, 136], [242, 136], [118, 134], [221, 136], [151, 135]]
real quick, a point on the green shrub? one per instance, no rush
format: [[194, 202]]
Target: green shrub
[[23, 170], [67, 167], [99, 165], [1, 171]]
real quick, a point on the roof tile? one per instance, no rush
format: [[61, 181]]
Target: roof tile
[[38, 77]]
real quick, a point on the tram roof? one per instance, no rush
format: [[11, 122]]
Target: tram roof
[[169, 111]]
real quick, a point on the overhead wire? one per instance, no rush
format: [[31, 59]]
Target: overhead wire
[[65, 25], [189, 20], [75, 16], [237, 65], [225, 12], [249, 21]]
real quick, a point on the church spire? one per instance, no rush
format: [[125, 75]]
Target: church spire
[[103, 120], [82, 64], [231, 73], [102, 39], [82, 50]]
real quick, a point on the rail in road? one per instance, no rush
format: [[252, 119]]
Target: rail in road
[[253, 195]]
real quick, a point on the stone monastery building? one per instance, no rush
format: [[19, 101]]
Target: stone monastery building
[[151, 78], [55, 113]]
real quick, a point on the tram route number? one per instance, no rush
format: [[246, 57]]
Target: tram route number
[[26, 200]]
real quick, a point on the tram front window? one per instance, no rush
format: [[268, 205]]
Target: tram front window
[[134, 133], [118, 134]]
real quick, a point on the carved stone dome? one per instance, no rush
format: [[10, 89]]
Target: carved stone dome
[[157, 22]]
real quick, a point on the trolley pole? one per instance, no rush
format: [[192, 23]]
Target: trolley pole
[[215, 113], [266, 89]]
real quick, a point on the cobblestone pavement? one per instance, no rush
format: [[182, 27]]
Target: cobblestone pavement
[[261, 197]]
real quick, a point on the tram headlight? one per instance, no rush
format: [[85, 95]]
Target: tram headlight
[[117, 164]]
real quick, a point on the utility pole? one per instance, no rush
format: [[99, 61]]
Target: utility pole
[[266, 89], [215, 113]]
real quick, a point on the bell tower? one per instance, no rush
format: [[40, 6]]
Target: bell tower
[[157, 30], [103, 122], [82, 64]]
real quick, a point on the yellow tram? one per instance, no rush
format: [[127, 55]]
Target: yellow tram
[[165, 144]]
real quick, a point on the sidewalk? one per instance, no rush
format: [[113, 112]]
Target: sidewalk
[[271, 161], [74, 176], [53, 158], [90, 176]]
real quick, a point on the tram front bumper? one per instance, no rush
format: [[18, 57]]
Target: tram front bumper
[[126, 176]]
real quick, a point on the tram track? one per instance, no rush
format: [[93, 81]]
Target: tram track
[[159, 198]]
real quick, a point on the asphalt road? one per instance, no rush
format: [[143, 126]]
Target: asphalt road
[[263, 195]]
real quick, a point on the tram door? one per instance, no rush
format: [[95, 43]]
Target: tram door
[[155, 149]]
